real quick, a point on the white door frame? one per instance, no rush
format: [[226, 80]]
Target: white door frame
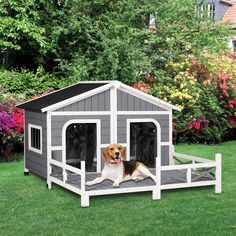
[[141, 120], [81, 121]]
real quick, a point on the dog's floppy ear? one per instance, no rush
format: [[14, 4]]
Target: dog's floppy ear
[[123, 153], [105, 154]]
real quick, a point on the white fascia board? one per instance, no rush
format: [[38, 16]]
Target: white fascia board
[[148, 98], [77, 98], [96, 82]]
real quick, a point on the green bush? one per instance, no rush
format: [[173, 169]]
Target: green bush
[[28, 83]]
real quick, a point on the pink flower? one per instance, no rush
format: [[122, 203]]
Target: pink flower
[[142, 87], [197, 126], [232, 122], [18, 116]]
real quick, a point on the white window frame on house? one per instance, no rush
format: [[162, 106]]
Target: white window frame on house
[[152, 19], [234, 45], [30, 126], [209, 8]]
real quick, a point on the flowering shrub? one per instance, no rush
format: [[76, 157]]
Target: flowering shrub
[[11, 127], [198, 124], [142, 87], [204, 90], [6, 121]]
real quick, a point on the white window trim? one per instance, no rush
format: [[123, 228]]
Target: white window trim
[[29, 139]]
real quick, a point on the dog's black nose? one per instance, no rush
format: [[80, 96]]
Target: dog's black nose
[[117, 153]]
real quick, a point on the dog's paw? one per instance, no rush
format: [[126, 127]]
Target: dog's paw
[[138, 179], [116, 185], [89, 183]]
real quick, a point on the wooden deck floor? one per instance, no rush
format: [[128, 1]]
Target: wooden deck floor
[[167, 177]]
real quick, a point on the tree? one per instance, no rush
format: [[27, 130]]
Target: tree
[[112, 40], [22, 38], [101, 39]]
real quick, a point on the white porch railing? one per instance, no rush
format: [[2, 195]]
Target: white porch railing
[[197, 162]]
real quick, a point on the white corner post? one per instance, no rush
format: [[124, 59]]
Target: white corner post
[[99, 168], [26, 171], [171, 151], [84, 195], [156, 193], [49, 150], [218, 186], [172, 147], [113, 109]]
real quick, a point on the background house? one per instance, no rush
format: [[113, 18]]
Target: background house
[[223, 11]]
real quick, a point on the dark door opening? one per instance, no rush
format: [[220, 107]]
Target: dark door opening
[[81, 145], [143, 143]]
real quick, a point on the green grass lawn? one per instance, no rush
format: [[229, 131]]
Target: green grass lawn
[[28, 208]]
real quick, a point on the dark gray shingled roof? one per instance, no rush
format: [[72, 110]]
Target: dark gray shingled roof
[[58, 96]]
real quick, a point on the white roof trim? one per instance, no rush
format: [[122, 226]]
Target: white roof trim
[[147, 97], [77, 98], [97, 82]]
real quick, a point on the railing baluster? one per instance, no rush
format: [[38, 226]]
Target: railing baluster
[[218, 186], [188, 175], [83, 176]]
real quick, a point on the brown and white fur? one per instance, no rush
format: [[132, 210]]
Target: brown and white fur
[[118, 170]]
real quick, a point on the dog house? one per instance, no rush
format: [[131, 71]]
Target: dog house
[[66, 131]]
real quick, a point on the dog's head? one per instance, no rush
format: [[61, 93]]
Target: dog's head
[[114, 153]]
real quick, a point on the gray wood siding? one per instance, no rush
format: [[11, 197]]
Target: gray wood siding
[[127, 102], [99, 102], [59, 121], [164, 123], [162, 119], [35, 162], [164, 155]]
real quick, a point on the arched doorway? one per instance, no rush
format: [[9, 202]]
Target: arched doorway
[[143, 138], [81, 143]]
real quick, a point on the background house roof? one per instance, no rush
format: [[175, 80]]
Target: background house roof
[[57, 96], [230, 16], [226, 1]]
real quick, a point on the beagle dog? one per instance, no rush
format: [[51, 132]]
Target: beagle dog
[[118, 170]]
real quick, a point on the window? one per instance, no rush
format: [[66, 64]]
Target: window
[[151, 23], [234, 46], [210, 8], [206, 9], [35, 138]]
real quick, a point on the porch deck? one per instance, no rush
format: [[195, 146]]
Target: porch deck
[[168, 177]]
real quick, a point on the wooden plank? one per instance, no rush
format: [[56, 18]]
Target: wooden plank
[[188, 157], [107, 101], [101, 101], [124, 102], [81, 105], [95, 103], [119, 102], [186, 166]]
